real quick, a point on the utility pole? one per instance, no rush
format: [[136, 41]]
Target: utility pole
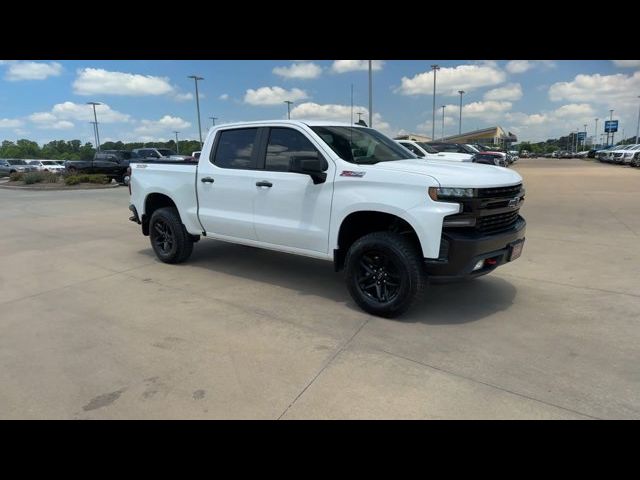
[[213, 120], [443, 121], [288, 102], [595, 133], [584, 140], [95, 118], [638, 127], [177, 146], [461, 92], [195, 79], [370, 95], [435, 68], [95, 139]]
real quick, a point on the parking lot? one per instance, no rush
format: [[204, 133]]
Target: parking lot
[[93, 326]]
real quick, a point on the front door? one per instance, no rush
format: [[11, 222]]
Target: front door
[[289, 210]]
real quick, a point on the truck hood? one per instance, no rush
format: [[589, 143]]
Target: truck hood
[[449, 174]]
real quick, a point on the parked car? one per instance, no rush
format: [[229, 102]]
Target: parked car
[[47, 166], [490, 158], [161, 154], [340, 193], [635, 161], [426, 151], [605, 154], [112, 163], [582, 154], [626, 155], [14, 165]]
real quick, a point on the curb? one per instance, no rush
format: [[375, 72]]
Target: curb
[[56, 189]]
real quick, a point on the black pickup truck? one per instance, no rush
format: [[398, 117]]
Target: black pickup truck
[[112, 163]]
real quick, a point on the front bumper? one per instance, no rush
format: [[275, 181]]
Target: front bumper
[[462, 251]]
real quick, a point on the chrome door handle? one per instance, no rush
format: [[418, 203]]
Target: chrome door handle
[[264, 183], [207, 180]]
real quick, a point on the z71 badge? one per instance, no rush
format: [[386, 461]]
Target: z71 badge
[[351, 173]]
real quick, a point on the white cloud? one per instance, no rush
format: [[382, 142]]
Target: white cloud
[[575, 110], [166, 124], [490, 108], [338, 113], [92, 81], [31, 70], [273, 95], [511, 92], [183, 97], [62, 115], [299, 70], [519, 66], [626, 63], [50, 121], [343, 66], [10, 123], [605, 89], [450, 80], [224, 96]]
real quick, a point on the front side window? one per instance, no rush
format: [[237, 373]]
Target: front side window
[[286, 145], [428, 148], [17, 162], [361, 145], [235, 149], [165, 152], [411, 147]]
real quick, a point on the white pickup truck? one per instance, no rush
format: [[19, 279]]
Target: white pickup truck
[[336, 192]]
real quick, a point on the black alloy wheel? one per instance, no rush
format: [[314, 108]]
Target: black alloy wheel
[[379, 276], [163, 237]]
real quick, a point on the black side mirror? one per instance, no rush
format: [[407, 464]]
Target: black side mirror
[[314, 166]]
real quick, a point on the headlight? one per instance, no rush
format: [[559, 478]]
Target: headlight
[[450, 193]]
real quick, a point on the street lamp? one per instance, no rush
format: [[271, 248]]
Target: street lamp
[[95, 118], [435, 68], [288, 102], [195, 79], [461, 92], [443, 121], [638, 127], [595, 133], [612, 134], [177, 146], [584, 140], [213, 119]]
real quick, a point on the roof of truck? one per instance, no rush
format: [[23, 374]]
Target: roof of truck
[[310, 123]]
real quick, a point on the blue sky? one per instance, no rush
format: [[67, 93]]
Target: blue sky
[[147, 100]]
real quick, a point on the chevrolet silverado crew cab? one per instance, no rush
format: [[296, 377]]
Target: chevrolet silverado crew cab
[[337, 192]]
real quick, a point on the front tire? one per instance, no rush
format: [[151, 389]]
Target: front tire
[[169, 239], [384, 274]]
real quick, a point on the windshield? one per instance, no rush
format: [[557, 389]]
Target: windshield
[[49, 162], [165, 152], [472, 149], [362, 145], [17, 162], [426, 147]]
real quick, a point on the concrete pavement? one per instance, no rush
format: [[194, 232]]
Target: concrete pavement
[[93, 326]]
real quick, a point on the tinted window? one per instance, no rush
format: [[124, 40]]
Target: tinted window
[[427, 147], [412, 148], [235, 149], [286, 144], [165, 152]]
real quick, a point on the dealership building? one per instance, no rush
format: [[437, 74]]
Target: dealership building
[[486, 136]]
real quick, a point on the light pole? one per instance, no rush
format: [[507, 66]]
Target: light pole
[[95, 118], [584, 140], [435, 68], [95, 141], [288, 102], [612, 134], [370, 95], [595, 133], [638, 127], [443, 121], [461, 92], [213, 119], [195, 79], [177, 146]]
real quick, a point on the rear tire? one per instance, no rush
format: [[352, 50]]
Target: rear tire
[[169, 239], [385, 274]]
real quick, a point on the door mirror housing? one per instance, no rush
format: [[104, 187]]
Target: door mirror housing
[[314, 166]]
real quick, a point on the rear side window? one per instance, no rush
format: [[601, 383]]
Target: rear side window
[[412, 148], [235, 149], [285, 145]]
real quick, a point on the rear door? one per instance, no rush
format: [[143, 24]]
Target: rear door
[[289, 210], [226, 184]]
